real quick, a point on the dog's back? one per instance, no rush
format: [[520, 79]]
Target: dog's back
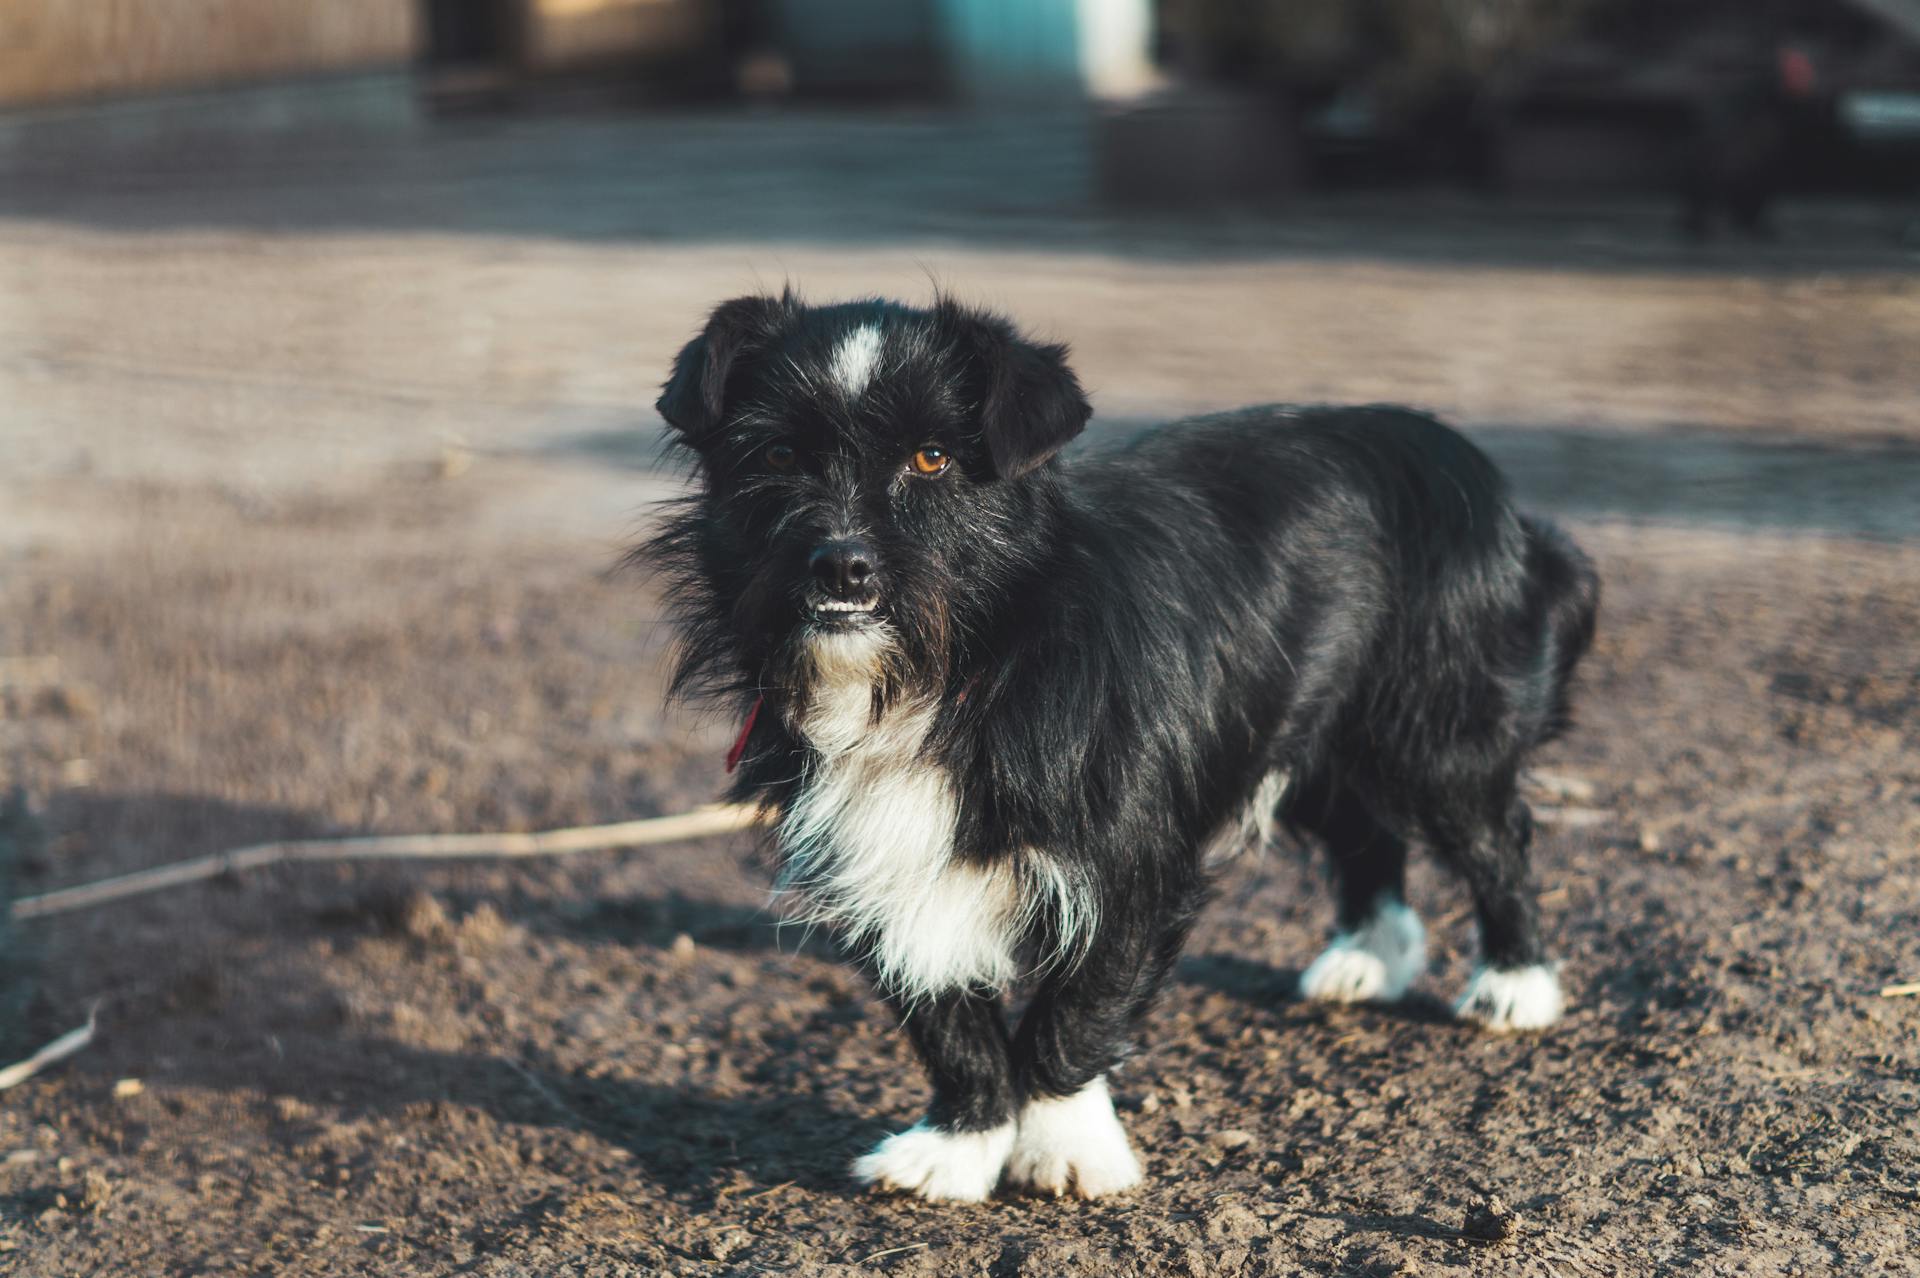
[[1391, 519]]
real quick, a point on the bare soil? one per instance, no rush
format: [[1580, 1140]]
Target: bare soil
[[318, 530]]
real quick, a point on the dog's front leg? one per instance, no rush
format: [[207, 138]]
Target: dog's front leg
[[1078, 1027], [958, 1150]]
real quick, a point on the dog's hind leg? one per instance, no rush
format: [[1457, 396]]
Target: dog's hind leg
[[1380, 948], [1485, 838], [959, 1149]]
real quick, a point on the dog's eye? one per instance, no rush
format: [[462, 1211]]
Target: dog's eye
[[931, 461], [781, 456]]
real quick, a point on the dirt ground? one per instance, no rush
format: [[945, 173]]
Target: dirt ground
[[308, 522]]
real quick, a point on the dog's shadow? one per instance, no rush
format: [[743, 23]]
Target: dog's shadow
[[316, 1053], [1278, 988], [326, 1075], [685, 1140]]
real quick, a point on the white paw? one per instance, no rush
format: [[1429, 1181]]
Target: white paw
[[1378, 961], [1074, 1142], [923, 1160], [1520, 998]]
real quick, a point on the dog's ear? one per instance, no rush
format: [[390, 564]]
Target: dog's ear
[[1034, 408], [1032, 404], [695, 396]]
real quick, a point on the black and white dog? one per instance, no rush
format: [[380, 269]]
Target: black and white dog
[[1006, 708]]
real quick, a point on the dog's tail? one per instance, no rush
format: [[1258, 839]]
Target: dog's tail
[[1569, 593]]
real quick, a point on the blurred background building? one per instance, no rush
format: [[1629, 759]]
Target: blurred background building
[[62, 52], [1725, 101]]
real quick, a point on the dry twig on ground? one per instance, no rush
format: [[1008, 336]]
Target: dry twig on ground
[[699, 824], [58, 1050]]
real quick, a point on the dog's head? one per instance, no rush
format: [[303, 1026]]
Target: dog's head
[[870, 480]]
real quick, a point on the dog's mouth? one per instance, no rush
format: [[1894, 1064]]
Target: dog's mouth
[[843, 613]]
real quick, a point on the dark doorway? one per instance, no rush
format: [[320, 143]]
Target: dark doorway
[[465, 33]]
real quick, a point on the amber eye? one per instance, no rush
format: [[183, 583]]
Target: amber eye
[[781, 456], [931, 461]]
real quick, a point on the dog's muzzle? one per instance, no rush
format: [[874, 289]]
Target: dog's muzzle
[[845, 584]]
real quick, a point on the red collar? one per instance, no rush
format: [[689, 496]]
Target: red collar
[[746, 730]]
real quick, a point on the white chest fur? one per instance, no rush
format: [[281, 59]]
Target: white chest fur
[[869, 843]]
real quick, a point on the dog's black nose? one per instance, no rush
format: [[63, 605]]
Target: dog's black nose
[[844, 569]]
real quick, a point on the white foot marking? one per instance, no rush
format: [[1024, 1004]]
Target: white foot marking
[[1379, 961], [1520, 998], [936, 1165], [1074, 1141]]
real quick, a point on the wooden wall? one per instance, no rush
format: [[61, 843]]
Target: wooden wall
[[52, 50]]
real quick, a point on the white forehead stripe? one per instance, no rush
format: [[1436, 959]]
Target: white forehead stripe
[[856, 358]]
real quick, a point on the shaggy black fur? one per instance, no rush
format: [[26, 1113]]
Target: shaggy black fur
[[1122, 647]]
